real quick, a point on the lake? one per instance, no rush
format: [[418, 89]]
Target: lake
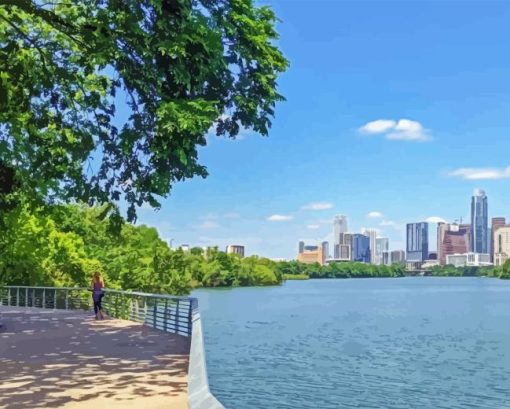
[[360, 343]]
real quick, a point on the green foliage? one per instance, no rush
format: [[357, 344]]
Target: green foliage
[[505, 271], [182, 67], [452, 271], [297, 270], [64, 245]]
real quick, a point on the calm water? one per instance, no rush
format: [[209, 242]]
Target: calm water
[[372, 343]]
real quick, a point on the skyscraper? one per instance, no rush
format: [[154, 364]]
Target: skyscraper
[[301, 246], [381, 245], [452, 239], [360, 248], [372, 235], [417, 242], [339, 226], [496, 223], [325, 251], [501, 245], [479, 222]]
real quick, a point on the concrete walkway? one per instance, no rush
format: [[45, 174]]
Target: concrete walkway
[[66, 359]]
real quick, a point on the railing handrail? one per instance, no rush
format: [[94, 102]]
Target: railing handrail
[[109, 290]]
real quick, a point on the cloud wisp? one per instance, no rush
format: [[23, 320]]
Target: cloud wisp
[[401, 130], [435, 219], [374, 215], [318, 206], [279, 218], [481, 173]]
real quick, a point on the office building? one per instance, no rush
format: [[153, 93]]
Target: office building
[[382, 244], [343, 250], [432, 255], [361, 248], [301, 247], [386, 258], [496, 223], [452, 238], [469, 260], [235, 249], [372, 236], [417, 240], [479, 222], [398, 256], [325, 251], [339, 226], [501, 245], [311, 254]]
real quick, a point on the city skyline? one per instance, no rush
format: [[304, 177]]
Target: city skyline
[[372, 125]]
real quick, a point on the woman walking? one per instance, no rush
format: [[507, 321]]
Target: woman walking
[[97, 294]]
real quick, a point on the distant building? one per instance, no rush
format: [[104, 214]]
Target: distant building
[[235, 249], [501, 245], [343, 249], [479, 222], [309, 256], [417, 240], [339, 226], [184, 247], [398, 256], [469, 260], [386, 258], [372, 236], [432, 255], [301, 246], [325, 251], [496, 223], [382, 244], [452, 238], [361, 248]]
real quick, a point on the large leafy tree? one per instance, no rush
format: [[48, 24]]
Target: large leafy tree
[[179, 66]]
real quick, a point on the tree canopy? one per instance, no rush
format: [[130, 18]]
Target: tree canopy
[[179, 66]]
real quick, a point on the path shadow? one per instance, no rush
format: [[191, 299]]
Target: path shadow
[[52, 359]]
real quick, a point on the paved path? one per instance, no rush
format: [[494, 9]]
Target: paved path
[[66, 359]]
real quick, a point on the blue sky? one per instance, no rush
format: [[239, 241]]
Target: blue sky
[[436, 78]]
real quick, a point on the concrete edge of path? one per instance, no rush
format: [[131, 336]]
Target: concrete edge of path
[[199, 395]]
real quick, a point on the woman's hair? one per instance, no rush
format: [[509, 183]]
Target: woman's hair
[[97, 275]]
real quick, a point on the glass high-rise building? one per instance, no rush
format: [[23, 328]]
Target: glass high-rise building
[[361, 248], [479, 222], [417, 242]]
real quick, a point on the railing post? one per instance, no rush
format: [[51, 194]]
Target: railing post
[[44, 298], [190, 317], [165, 326], [26, 297], [33, 297], [55, 299], [154, 315], [17, 297], [9, 297], [67, 299], [177, 318]]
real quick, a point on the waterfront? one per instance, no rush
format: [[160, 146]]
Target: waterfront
[[372, 343]]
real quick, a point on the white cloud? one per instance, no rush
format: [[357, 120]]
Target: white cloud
[[481, 173], [378, 126], [435, 219], [375, 215], [209, 216], [279, 218], [401, 130], [313, 226], [209, 224], [318, 206]]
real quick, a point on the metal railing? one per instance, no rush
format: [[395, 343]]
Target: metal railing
[[164, 312]]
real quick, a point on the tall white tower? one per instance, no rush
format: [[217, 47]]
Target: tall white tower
[[372, 234], [339, 226]]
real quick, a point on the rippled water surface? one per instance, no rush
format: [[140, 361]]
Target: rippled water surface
[[373, 343]]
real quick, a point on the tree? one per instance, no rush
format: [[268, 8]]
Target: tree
[[183, 67]]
